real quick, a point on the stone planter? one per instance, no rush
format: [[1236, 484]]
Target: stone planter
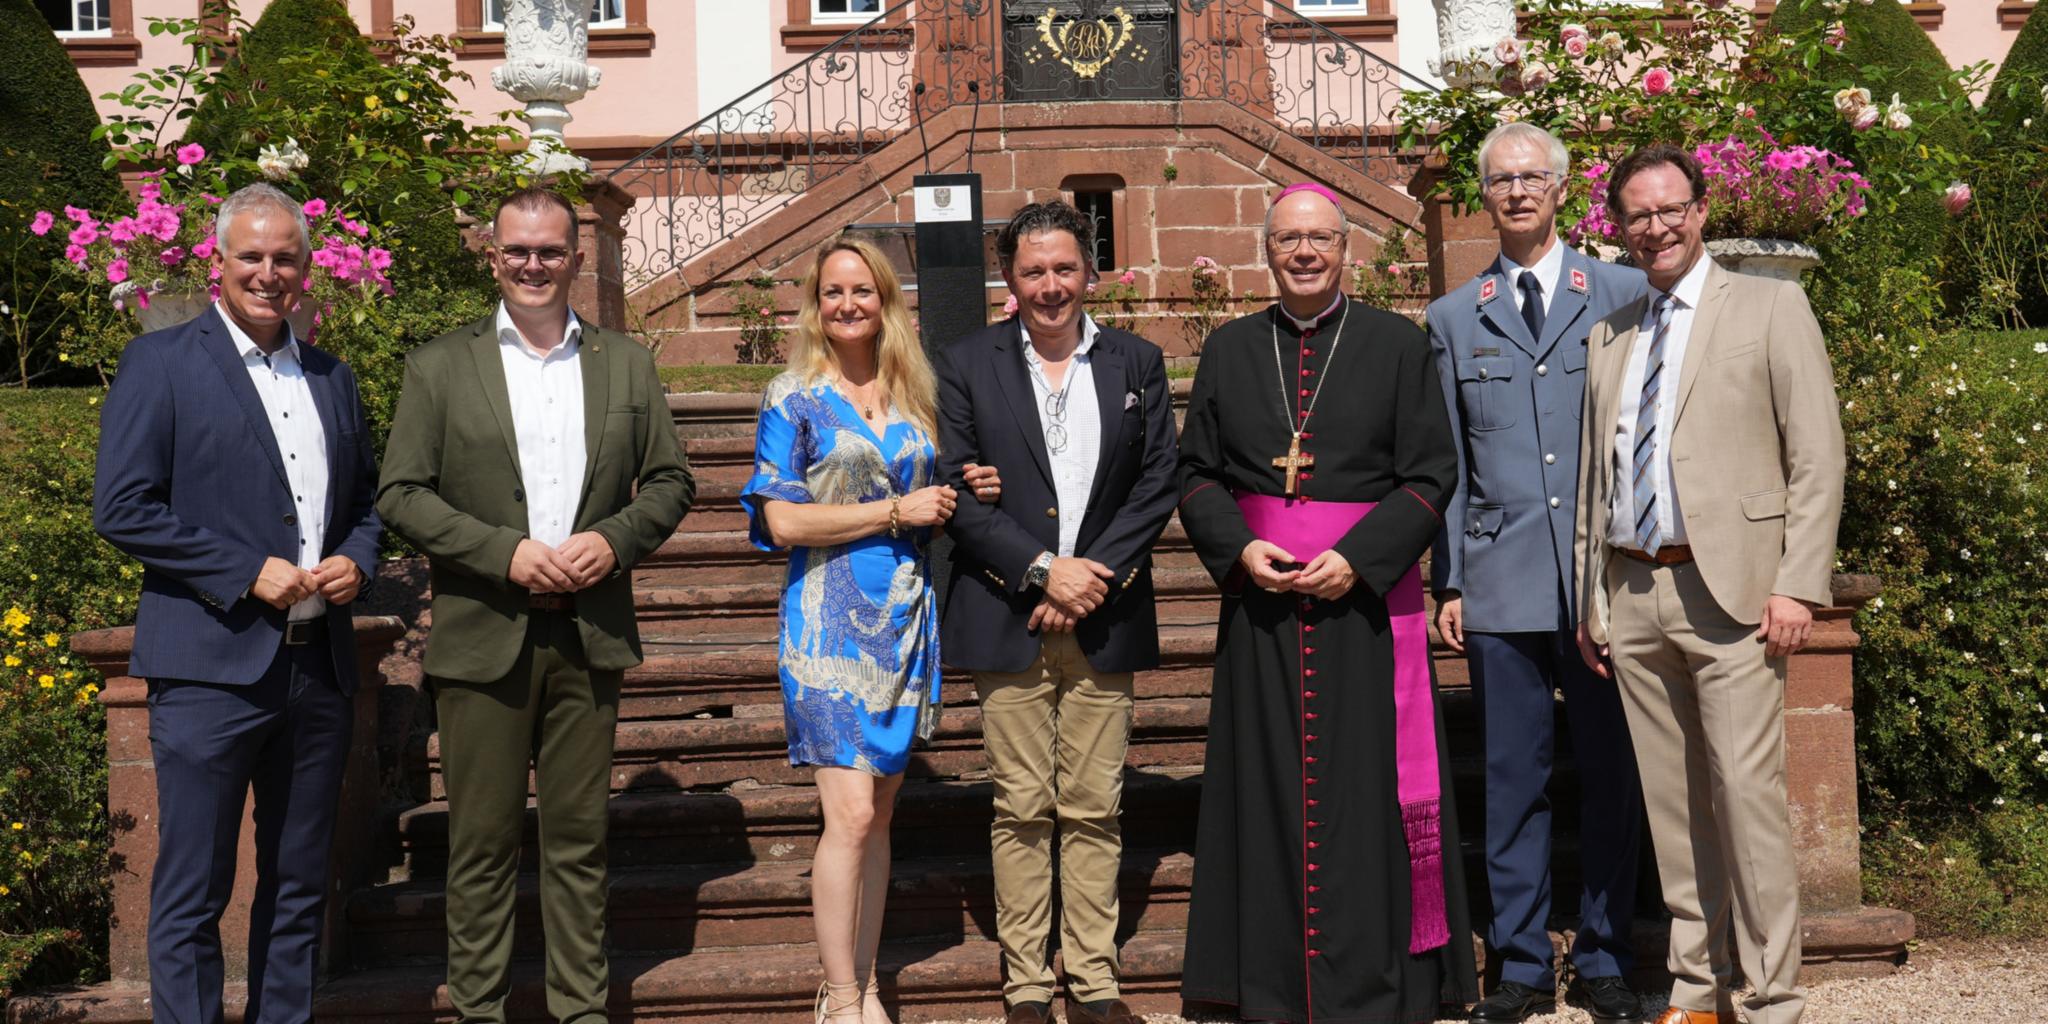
[[1466, 31], [165, 310], [547, 43], [1764, 257]]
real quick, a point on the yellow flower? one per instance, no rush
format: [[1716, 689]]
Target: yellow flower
[[51, 640], [15, 620], [13, 661], [46, 681], [4, 890], [18, 826], [370, 102]]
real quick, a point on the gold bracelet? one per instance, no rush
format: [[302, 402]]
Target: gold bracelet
[[895, 525]]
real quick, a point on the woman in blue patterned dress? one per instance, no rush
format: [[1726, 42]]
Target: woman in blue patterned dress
[[843, 464]]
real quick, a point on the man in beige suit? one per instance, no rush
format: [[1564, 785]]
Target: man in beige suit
[[1710, 483]]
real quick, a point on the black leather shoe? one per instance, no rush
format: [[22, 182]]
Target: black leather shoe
[[1512, 1002], [1609, 1000]]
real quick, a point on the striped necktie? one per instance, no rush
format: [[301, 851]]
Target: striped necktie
[[1644, 477]]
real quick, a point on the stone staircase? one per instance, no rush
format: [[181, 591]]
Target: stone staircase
[[712, 830]]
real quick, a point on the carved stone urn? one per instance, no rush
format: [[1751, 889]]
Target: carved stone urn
[[1466, 31], [1768, 257], [546, 43]]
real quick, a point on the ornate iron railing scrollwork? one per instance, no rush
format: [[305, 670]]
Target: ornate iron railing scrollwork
[[822, 116]]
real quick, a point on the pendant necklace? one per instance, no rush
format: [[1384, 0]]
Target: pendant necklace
[[1294, 461]]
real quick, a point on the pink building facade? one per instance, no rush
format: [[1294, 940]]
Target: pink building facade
[[669, 63]]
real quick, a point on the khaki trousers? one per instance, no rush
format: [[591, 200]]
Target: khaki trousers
[[1706, 714], [1056, 734], [558, 715]]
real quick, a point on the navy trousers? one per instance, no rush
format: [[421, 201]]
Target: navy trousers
[[286, 736], [1514, 676]]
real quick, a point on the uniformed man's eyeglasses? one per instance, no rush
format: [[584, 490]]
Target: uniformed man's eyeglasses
[[1532, 182]]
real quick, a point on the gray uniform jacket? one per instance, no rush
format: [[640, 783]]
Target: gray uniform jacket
[[1515, 404]]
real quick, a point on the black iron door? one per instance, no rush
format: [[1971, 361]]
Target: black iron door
[[1089, 49]]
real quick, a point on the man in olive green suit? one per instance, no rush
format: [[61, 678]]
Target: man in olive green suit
[[533, 460]]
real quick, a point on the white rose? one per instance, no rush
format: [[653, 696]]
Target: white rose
[[1612, 41], [1852, 99], [1895, 116]]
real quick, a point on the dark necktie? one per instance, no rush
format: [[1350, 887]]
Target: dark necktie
[[1532, 304]]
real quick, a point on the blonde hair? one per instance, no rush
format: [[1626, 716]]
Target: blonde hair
[[900, 364]]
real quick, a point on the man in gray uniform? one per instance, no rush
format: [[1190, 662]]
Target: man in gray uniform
[[1511, 351]]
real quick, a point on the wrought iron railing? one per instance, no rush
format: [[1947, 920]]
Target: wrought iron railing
[[821, 117]]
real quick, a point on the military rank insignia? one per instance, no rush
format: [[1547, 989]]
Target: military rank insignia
[[1578, 280], [1487, 289]]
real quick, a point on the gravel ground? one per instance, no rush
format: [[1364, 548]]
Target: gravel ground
[[1942, 983]]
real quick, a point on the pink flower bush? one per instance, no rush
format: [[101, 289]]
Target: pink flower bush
[[1205, 266], [1656, 82], [1760, 189]]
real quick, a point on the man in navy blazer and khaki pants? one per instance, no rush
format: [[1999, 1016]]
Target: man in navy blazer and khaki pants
[[1051, 599], [234, 463]]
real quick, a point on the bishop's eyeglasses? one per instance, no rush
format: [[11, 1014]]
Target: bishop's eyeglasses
[[1288, 241]]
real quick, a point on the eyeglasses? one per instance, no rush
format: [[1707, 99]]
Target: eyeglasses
[[1670, 216], [1532, 182], [1056, 431], [1288, 241], [518, 255]]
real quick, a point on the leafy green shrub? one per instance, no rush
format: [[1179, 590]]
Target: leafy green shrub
[[48, 158], [2007, 231], [1948, 441], [1964, 876], [56, 578]]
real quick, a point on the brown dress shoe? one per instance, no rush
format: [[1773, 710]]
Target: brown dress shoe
[[1029, 1013], [1675, 1015], [1115, 1013]]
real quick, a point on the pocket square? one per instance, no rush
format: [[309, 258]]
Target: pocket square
[[1130, 399]]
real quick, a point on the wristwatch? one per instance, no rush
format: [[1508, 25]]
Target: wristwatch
[[1040, 570]]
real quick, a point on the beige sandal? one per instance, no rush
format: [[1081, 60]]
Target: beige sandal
[[838, 1000]]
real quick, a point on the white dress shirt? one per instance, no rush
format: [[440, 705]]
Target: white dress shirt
[[1549, 267], [1073, 467], [287, 397], [546, 392], [1621, 529]]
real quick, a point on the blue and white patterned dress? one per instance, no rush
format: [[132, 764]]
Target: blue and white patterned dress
[[860, 626]]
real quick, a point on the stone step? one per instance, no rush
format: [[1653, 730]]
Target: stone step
[[708, 415], [674, 910], [721, 675], [702, 556], [778, 824], [696, 608]]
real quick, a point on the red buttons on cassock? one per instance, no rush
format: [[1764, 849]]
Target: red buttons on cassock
[[1309, 759], [1315, 910], [1312, 780], [1308, 650], [1305, 435], [1311, 803], [1308, 373], [1312, 844], [1315, 952], [1304, 392], [1309, 672], [1315, 824], [1311, 695], [1315, 867], [1313, 933], [1310, 715], [1311, 737], [1308, 629], [1308, 351], [1305, 499]]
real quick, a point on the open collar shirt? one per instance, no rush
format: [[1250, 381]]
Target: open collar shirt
[[546, 394], [1073, 464], [1670, 516], [287, 397]]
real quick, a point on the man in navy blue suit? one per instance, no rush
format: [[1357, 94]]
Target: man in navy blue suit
[[1511, 355], [235, 464]]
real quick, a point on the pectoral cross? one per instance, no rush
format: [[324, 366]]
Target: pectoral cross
[[1293, 462]]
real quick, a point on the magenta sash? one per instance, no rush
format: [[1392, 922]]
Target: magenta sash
[[1305, 530]]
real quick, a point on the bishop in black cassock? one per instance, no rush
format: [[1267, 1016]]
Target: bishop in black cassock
[[1327, 885]]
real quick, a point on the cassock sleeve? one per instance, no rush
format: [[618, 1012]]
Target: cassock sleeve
[[1208, 511], [1390, 539]]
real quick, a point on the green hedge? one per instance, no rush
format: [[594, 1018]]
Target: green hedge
[[56, 577], [2007, 234]]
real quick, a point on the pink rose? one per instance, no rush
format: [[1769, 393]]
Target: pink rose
[[766, 311], [41, 225], [1508, 51], [315, 207], [1091, 287], [1575, 46], [1010, 306], [1656, 82], [1535, 78], [117, 271], [1129, 277], [1957, 198], [191, 154], [1866, 118]]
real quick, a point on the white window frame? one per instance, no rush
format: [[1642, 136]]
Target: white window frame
[[103, 12], [823, 17], [491, 24], [1333, 8]]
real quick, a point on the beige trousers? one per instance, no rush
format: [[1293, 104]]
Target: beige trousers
[[1056, 734], [1706, 713]]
